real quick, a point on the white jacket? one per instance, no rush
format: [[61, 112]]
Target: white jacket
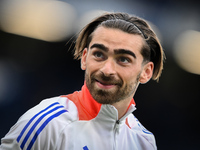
[[77, 122]]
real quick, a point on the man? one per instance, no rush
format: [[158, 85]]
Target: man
[[117, 52]]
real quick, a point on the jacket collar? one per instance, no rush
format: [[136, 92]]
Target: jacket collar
[[89, 108]]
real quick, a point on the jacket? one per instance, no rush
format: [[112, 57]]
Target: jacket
[[77, 122]]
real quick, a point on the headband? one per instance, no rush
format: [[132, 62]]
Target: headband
[[145, 37]]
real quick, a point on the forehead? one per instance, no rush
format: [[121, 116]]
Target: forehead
[[117, 39]]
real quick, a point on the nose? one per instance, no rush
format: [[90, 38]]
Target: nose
[[108, 68]]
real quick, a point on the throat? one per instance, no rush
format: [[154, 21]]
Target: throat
[[122, 107]]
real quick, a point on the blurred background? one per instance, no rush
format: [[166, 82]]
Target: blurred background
[[36, 61]]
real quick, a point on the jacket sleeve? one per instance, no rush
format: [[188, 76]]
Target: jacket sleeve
[[39, 128]]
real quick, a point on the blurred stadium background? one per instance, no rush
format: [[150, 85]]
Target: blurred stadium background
[[35, 61]]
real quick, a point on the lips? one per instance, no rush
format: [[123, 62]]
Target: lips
[[104, 82], [105, 85]]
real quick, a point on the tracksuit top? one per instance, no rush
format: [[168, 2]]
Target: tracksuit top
[[77, 122]]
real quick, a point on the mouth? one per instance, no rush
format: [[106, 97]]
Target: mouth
[[105, 85]]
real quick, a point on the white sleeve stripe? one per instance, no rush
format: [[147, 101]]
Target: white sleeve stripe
[[37, 121]]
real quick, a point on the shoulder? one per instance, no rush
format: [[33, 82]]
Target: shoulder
[[145, 136], [51, 107], [59, 108], [42, 124]]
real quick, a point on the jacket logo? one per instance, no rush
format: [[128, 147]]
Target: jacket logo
[[85, 148]]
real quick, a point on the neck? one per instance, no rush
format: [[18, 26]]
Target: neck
[[123, 106]]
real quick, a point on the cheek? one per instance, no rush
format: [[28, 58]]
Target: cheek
[[126, 77], [130, 76], [91, 67]]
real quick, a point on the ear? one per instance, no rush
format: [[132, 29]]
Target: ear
[[83, 59], [147, 72]]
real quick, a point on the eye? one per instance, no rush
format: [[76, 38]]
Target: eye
[[124, 60], [98, 55]]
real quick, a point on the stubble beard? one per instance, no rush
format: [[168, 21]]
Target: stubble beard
[[107, 96]]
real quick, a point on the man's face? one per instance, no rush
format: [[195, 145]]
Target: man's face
[[113, 65]]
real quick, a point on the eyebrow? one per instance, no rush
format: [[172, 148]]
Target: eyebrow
[[125, 51], [116, 51], [99, 46]]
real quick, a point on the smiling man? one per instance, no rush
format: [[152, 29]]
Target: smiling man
[[118, 52], [114, 67]]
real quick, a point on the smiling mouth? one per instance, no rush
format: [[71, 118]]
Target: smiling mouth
[[105, 85]]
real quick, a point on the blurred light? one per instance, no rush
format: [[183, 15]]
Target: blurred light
[[187, 51], [47, 20], [88, 17]]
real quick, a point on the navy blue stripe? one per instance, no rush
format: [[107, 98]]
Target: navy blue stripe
[[35, 124], [85, 148], [147, 132], [144, 129], [24, 129], [43, 126]]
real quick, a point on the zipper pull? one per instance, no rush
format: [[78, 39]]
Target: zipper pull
[[117, 122]]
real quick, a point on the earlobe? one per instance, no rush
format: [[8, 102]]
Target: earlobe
[[83, 59], [147, 73]]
